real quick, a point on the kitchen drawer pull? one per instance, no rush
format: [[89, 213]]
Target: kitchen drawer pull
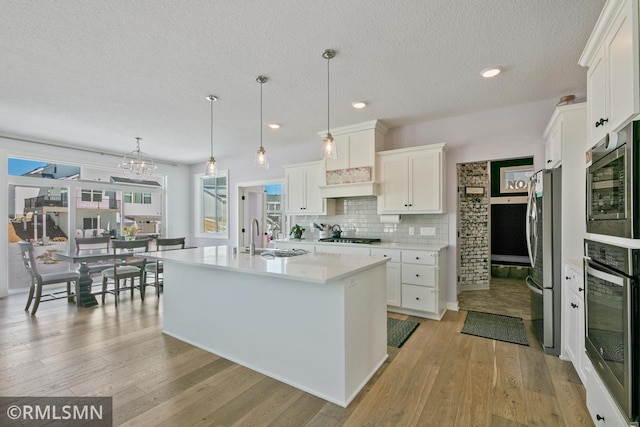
[[601, 122], [574, 305], [567, 277], [417, 275], [580, 289], [417, 257], [599, 417], [418, 298]]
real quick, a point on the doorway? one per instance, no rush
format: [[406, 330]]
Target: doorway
[[263, 201]]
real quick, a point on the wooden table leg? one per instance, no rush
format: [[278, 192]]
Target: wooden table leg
[[85, 299]]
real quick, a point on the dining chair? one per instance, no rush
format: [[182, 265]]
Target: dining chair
[[127, 264], [156, 268], [38, 280]]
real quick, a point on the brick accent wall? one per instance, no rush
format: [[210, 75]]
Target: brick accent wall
[[474, 265]]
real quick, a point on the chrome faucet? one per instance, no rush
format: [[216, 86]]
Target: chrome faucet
[[252, 245]]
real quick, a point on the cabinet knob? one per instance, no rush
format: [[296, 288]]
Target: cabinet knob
[[580, 289], [417, 257], [599, 417], [410, 204], [417, 275], [601, 122], [567, 278], [574, 305], [418, 299], [549, 161], [406, 205]]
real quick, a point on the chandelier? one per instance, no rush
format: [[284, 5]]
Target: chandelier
[[137, 165]]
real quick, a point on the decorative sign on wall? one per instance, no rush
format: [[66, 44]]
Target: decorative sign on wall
[[515, 179]]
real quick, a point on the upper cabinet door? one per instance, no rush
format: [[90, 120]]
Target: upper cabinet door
[[622, 67], [315, 204], [295, 191], [425, 186], [596, 106], [613, 79], [394, 197]]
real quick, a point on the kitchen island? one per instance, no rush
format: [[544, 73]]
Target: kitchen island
[[314, 321]]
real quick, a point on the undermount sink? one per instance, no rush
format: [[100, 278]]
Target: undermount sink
[[258, 251]]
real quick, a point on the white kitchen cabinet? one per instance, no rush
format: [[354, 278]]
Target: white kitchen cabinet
[[422, 284], [553, 147], [394, 274], [574, 320], [356, 146], [614, 70], [302, 190], [604, 411], [411, 180]]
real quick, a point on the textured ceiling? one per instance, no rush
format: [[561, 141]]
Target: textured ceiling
[[99, 73]]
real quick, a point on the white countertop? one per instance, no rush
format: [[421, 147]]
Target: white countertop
[[311, 267], [383, 245]]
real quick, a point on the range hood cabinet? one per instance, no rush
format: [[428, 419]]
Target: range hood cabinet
[[353, 173]]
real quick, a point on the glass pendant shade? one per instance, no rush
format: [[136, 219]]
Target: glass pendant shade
[[137, 165], [211, 164], [330, 151], [260, 160], [211, 167]]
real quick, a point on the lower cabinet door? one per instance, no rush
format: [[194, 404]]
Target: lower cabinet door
[[421, 298], [604, 411], [394, 284]]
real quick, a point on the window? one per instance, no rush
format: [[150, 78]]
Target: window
[[146, 198], [89, 223], [128, 197], [212, 206], [91, 196]]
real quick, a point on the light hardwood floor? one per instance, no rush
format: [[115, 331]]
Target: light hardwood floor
[[440, 377]]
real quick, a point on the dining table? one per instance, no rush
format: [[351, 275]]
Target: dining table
[[87, 256], [85, 297]]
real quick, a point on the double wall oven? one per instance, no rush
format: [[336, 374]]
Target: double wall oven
[[612, 304]]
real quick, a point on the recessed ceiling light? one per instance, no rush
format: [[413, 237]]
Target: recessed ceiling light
[[274, 126], [490, 72], [359, 105]]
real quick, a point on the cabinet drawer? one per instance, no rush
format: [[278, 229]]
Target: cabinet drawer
[[602, 408], [393, 255], [422, 275], [420, 257], [419, 298]]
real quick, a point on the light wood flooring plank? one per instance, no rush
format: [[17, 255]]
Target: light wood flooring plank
[[439, 376]]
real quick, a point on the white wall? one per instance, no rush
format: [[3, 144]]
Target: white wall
[[177, 203]]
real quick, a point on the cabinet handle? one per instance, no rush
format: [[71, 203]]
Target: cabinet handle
[[580, 289], [410, 204], [417, 275], [574, 305], [406, 205], [599, 418], [567, 278], [418, 299], [601, 122], [417, 257], [549, 161]]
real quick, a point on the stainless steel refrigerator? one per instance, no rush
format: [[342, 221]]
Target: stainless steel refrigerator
[[543, 232]]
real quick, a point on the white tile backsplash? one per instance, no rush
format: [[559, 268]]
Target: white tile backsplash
[[358, 217]]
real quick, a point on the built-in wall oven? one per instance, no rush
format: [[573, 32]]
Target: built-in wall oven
[[613, 186], [612, 300]]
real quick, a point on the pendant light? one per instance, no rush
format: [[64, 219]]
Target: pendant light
[[211, 164], [330, 151], [261, 156], [137, 165]]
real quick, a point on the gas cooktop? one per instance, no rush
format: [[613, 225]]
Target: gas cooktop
[[361, 240]]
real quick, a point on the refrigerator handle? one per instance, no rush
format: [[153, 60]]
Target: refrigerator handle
[[532, 287], [528, 222]]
